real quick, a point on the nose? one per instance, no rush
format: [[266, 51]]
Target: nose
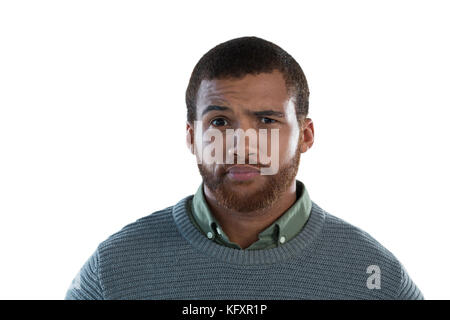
[[244, 145]]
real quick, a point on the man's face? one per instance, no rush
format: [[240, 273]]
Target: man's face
[[253, 102]]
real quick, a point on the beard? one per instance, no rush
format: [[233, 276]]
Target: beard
[[265, 196]]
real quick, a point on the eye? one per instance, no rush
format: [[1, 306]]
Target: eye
[[268, 120], [218, 122]]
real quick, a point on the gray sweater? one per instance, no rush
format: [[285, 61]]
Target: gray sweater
[[164, 256]]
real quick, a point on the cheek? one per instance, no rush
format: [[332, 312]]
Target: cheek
[[289, 143], [199, 144], [210, 149]]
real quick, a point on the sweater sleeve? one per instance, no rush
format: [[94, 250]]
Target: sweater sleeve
[[86, 284], [408, 289]]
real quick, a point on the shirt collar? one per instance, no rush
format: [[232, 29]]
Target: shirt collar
[[280, 231]]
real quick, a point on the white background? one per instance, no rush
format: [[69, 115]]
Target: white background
[[92, 122]]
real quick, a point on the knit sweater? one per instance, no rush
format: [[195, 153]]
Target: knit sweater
[[164, 256]]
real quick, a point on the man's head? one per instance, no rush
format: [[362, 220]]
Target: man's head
[[249, 83]]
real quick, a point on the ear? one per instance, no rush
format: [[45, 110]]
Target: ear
[[307, 131], [190, 137]]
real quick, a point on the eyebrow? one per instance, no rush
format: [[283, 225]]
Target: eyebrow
[[250, 112], [267, 113], [215, 108]]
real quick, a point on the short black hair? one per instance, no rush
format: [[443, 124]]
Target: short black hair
[[248, 55]]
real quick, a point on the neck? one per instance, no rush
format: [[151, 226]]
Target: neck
[[243, 227]]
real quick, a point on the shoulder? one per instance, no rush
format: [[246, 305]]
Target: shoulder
[[146, 228], [354, 251], [346, 236], [126, 245]]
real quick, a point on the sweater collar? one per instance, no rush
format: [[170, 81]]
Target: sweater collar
[[295, 247]]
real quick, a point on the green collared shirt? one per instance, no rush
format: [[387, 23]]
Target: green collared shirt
[[280, 231]]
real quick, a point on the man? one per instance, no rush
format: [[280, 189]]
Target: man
[[251, 230]]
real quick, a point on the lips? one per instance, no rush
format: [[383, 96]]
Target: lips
[[242, 169], [243, 172]]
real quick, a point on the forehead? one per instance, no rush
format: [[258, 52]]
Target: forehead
[[251, 91]]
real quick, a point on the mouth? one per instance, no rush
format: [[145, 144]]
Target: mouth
[[242, 172]]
